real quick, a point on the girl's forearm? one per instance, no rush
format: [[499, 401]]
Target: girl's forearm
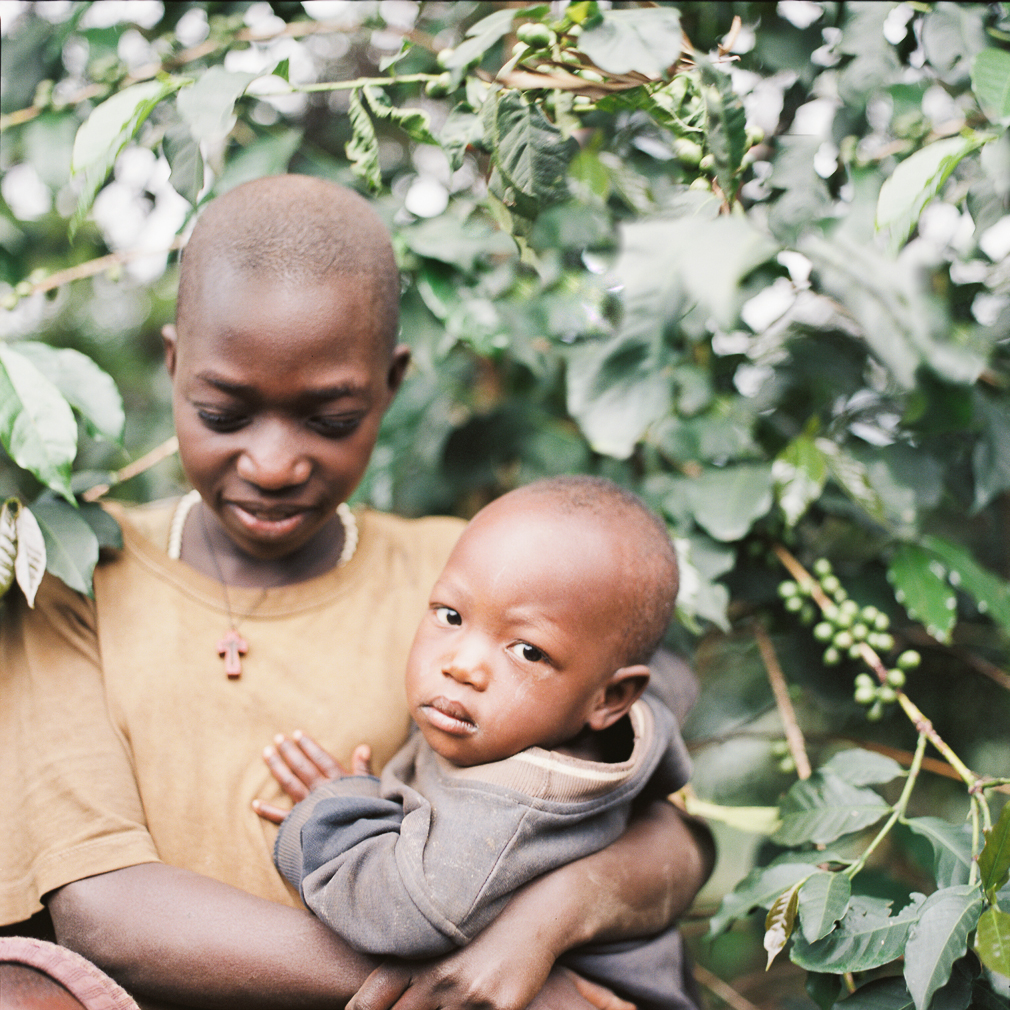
[[176, 936]]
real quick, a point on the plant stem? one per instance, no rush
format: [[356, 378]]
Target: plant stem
[[897, 811], [794, 735]]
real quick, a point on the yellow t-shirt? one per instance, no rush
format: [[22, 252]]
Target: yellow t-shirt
[[123, 741]]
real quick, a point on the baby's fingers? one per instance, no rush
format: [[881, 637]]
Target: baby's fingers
[[361, 760], [328, 766], [286, 778], [269, 812]]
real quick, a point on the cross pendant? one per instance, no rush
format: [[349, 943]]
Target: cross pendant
[[231, 647]]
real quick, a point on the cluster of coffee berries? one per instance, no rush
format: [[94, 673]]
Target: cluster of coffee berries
[[783, 756]]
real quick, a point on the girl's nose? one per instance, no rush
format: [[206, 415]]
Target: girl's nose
[[273, 460]]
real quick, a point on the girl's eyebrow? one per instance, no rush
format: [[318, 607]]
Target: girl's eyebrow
[[242, 390]]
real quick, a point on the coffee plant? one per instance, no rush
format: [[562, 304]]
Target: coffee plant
[[751, 260]]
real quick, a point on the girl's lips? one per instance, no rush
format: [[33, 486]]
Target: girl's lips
[[266, 522], [449, 717]]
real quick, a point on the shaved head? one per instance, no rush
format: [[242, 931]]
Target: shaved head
[[296, 229], [644, 542]]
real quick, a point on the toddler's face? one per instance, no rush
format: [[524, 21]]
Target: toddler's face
[[278, 391], [521, 633]]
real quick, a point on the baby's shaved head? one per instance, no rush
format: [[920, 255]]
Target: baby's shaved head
[[643, 540], [297, 229]]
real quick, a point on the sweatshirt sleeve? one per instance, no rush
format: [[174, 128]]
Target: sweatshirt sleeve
[[339, 848]]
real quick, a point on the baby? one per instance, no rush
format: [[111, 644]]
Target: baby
[[526, 681]]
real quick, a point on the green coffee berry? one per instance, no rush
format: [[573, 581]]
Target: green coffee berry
[[909, 660], [822, 567], [807, 613], [884, 642], [443, 57], [882, 622], [860, 631], [536, 35], [865, 694], [793, 603], [855, 650], [700, 183], [830, 613], [824, 631], [707, 163], [865, 679], [779, 748], [876, 712], [842, 619], [831, 657], [896, 678], [850, 607], [842, 640], [886, 694], [787, 765], [868, 614], [830, 584], [687, 152]]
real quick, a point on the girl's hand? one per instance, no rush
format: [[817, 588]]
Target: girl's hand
[[300, 765], [433, 986]]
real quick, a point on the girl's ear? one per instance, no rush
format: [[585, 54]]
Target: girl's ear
[[169, 340], [623, 689], [397, 368]]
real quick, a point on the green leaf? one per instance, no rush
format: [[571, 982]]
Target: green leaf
[[880, 994], [994, 859], [990, 460], [185, 160], [363, 148], [726, 502], [800, 472], [461, 129], [938, 939], [647, 41], [759, 889], [951, 845], [207, 107], [861, 767], [616, 389], [867, 936], [921, 586], [916, 181], [992, 941], [725, 127], [529, 151], [823, 900], [990, 592], [71, 544], [416, 123], [104, 134], [460, 244], [990, 80], [758, 820], [37, 426], [780, 921], [852, 477], [30, 563], [823, 808], [85, 386], [8, 542], [268, 155], [480, 37]]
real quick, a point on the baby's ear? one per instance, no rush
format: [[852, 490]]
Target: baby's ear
[[623, 689]]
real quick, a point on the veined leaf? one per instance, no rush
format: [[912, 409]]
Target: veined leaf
[[823, 808], [208, 106], [416, 123], [37, 426], [30, 562], [84, 385], [866, 937], [760, 888], [725, 127], [727, 501], [990, 80], [992, 940], [939, 938], [779, 922], [480, 37], [185, 160], [363, 148], [951, 845], [529, 151], [861, 767], [921, 586], [647, 41], [104, 134], [799, 473], [8, 542], [853, 479], [994, 859], [916, 181], [823, 899], [990, 592], [71, 544]]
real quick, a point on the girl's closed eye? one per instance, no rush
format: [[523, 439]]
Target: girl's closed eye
[[530, 653], [335, 427], [221, 421], [448, 617]]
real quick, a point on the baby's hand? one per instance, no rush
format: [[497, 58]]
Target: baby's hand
[[300, 765]]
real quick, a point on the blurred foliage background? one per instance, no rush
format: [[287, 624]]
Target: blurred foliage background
[[751, 260]]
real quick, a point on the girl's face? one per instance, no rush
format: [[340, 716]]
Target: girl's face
[[278, 392]]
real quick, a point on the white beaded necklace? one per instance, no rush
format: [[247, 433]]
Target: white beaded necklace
[[233, 646]]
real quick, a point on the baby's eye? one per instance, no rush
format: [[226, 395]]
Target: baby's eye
[[523, 650], [448, 616]]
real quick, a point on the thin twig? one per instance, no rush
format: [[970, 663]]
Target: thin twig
[[794, 735], [138, 466], [723, 990]]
